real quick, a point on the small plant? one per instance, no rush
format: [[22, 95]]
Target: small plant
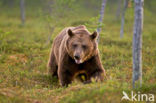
[[93, 23], [3, 40]]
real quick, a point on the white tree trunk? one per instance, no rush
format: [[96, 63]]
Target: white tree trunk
[[137, 43], [123, 18], [101, 17], [22, 7]]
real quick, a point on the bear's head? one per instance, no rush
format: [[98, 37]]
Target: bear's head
[[81, 45]]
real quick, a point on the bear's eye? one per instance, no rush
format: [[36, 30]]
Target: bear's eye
[[84, 46], [74, 45]]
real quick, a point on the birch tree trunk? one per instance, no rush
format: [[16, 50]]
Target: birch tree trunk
[[118, 9], [22, 8], [101, 17], [137, 43], [11, 3], [123, 18]]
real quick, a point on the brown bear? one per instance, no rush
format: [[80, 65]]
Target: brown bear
[[75, 51]]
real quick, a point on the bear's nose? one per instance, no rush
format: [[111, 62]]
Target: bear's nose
[[77, 57]]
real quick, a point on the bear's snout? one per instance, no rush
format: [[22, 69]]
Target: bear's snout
[[77, 57]]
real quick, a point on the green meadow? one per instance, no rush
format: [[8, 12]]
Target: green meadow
[[24, 53]]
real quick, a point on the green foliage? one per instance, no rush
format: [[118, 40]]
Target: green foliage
[[68, 3], [93, 23], [3, 40]]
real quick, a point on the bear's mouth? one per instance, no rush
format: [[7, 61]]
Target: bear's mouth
[[78, 61]]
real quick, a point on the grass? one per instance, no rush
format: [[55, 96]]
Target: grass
[[24, 55]]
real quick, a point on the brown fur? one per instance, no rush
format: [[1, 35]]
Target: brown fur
[[62, 58]]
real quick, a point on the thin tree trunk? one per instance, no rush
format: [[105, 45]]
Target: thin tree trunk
[[11, 3], [51, 30], [101, 17], [137, 43], [48, 7], [22, 7], [118, 10], [123, 18]]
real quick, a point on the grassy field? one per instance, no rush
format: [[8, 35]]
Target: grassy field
[[24, 53]]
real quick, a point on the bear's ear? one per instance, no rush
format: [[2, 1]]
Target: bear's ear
[[70, 33], [94, 35]]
